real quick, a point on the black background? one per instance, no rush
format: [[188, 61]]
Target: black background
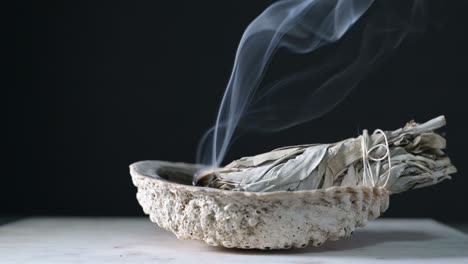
[[99, 85]]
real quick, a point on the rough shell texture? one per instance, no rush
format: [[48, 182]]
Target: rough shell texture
[[272, 220]]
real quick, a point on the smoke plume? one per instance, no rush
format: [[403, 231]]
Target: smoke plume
[[300, 27]]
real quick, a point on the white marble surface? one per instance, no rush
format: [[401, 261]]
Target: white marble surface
[[137, 240]]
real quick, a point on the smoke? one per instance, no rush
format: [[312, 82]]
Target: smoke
[[301, 27]]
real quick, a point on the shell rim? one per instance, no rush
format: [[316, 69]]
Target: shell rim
[[136, 170]]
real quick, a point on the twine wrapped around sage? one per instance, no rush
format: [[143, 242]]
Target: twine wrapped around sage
[[403, 159]]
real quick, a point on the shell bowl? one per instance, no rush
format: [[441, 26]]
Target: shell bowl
[[268, 220]]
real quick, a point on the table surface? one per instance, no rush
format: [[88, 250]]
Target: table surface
[[137, 240]]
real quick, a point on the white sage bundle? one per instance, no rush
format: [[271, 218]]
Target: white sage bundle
[[407, 158]]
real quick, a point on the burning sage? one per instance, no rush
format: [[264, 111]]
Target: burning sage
[[398, 160]]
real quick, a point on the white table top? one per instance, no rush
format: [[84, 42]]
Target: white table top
[[137, 240]]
